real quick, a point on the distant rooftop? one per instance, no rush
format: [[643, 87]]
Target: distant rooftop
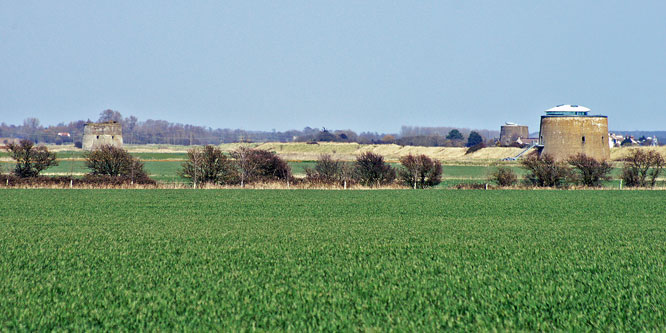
[[568, 110]]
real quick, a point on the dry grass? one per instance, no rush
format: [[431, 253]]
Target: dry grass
[[349, 151], [619, 153], [298, 151]]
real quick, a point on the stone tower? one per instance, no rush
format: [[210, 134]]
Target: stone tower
[[567, 130], [98, 134], [510, 133]]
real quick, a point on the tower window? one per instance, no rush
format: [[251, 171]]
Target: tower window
[[583, 139], [97, 137]]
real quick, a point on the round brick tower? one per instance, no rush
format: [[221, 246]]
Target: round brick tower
[[567, 130], [510, 133]]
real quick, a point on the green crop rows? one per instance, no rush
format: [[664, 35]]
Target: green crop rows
[[332, 260]]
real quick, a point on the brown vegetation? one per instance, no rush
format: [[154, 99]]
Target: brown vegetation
[[420, 171], [504, 176], [111, 161], [544, 171], [371, 170], [588, 171], [30, 160], [642, 168]]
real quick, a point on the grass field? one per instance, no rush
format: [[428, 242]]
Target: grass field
[[332, 260]]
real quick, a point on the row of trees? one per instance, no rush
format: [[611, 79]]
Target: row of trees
[[107, 164], [209, 165], [640, 169], [164, 132]]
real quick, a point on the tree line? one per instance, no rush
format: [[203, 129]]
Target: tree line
[[163, 132], [640, 168]]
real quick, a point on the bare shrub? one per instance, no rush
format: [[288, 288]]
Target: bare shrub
[[588, 171], [503, 176], [209, 165], [420, 171], [641, 168], [30, 160], [326, 171], [260, 165], [108, 160], [371, 170], [544, 171]]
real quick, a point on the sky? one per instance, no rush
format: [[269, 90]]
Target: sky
[[360, 65]]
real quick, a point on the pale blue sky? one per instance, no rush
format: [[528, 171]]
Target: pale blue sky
[[364, 65]]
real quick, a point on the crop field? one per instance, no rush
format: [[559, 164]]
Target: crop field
[[332, 260]]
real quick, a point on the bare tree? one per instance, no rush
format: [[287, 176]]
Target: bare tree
[[209, 165], [247, 166], [110, 115], [260, 165], [108, 160], [326, 171], [545, 171], [588, 171], [30, 160], [420, 171], [504, 176], [371, 170], [642, 168]]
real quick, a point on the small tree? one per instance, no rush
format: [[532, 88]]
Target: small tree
[[108, 160], [260, 165], [420, 171], [30, 160], [209, 165], [642, 168], [588, 171], [474, 139], [455, 134], [326, 171], [544, 171], [503, 176], [371, 170]]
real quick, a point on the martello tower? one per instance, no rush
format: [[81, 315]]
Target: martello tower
[[98, 134], [567, 130]]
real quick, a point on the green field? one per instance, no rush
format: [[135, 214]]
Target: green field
[[332, 260]]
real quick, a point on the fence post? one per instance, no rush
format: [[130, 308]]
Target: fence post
[[621, 184], [486, 186]]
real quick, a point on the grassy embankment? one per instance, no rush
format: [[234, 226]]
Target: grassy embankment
[[332, 260]]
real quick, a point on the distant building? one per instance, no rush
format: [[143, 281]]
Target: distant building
[[511, 133], [567, 130], [64, 134], [98, 134]]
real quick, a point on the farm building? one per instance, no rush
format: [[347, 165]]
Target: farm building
[[567, 130], [98, 134], [511, 133]]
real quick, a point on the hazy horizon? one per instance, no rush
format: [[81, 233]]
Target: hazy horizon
[[370, 66]]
